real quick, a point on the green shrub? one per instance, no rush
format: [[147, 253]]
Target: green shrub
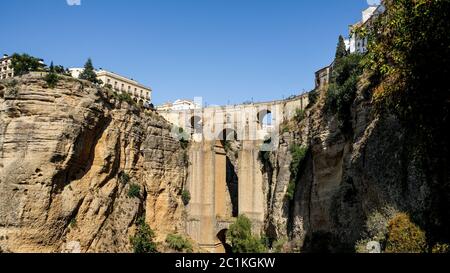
[[24, 63], [124, 178], [51, 79], [298, 156], [279, 246], [143, 240], [134, 191], [441, 248], [404, 236], [186, 197], [178, 243], [291, 190], [125, 97], [242, 240], [343, 86], [299, 115], [73, 223]]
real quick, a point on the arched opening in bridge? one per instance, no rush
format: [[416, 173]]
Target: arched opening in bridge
[[196, 125], [222, 237], [265, 118], [229, 140]]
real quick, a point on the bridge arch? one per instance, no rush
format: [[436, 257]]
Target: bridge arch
[[222, 241], [265, 118], [196, 124]]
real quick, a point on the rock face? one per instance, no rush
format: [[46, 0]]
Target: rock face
[[68, 157], [348, 175]]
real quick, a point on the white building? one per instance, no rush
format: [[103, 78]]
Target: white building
[[6, 70], [139, 93], [179, 105], [356, 44]]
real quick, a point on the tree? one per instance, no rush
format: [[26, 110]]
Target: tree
[[404, 236], [23, 64], [143, 241], [343, 87], [242, 240], [51, 67], [178, 243], [88, 73], [341, 50]]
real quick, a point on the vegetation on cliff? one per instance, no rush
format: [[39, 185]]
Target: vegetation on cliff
[[396, 233], [24, 63], [298, 153], [409, 58], [143, 240], [88, 73], [178, 243], [342, 89], [242, 239]]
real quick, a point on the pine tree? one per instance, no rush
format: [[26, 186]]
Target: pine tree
[[89, 72], [341, 50], [51, 67]]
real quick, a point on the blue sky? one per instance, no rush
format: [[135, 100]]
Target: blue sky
[[226, 51]]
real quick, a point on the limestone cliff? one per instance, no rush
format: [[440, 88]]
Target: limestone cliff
[[68, 157], [348, 175]]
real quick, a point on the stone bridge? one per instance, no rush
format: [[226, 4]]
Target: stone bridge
[[224, 185]]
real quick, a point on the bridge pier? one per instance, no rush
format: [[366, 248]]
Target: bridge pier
[[208, 211], [207, 184], [251, 197]]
